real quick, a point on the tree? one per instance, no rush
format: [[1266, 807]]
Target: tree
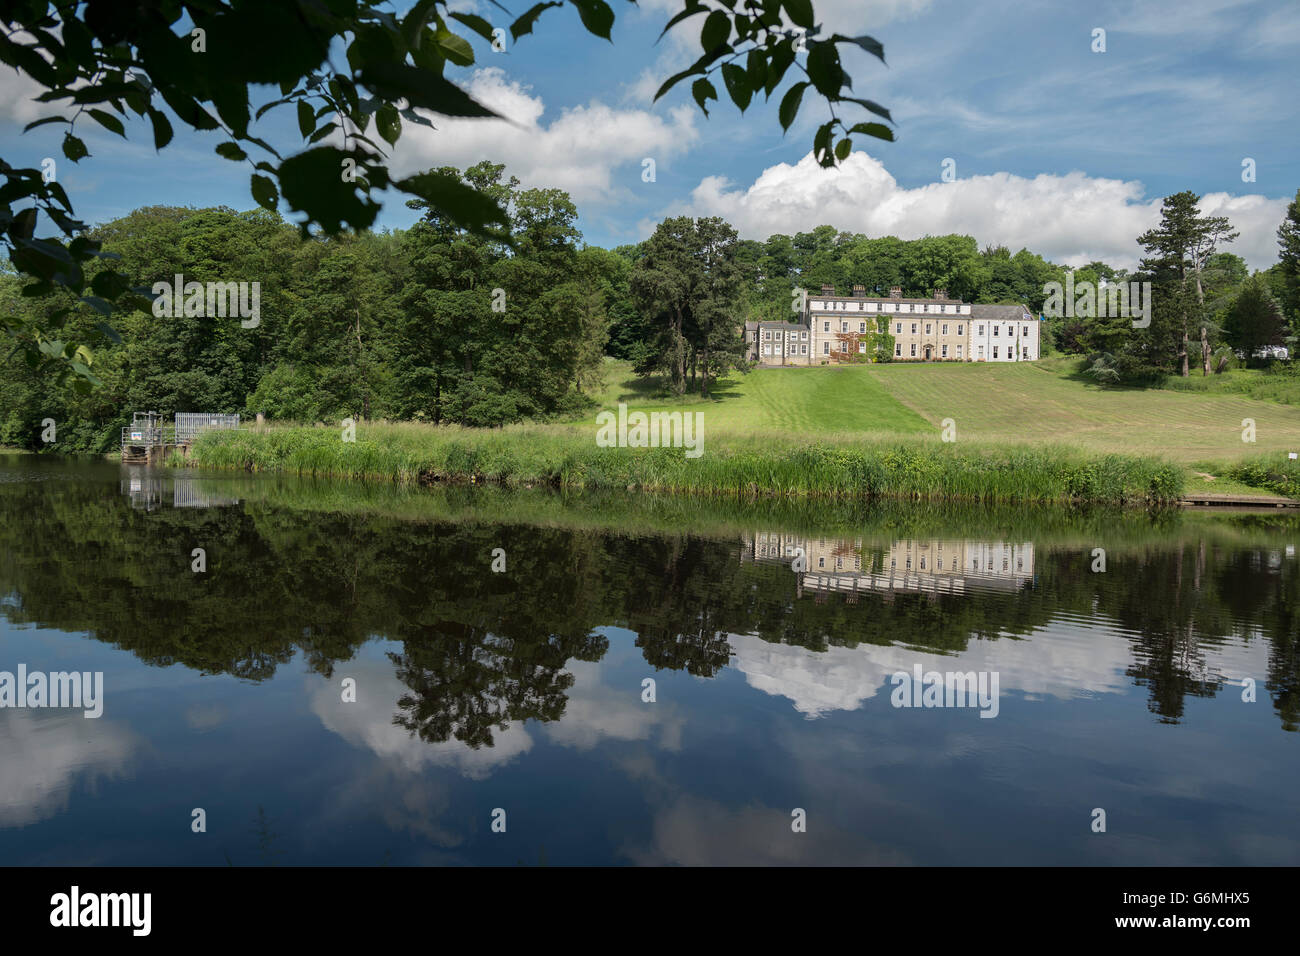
[[1288, 240], [1178, 249], [195, 62], [1254, 320], [689, 280]]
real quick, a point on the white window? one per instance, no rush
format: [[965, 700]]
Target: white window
[[826, 348], [899, 328], [913, 328], [914, 350], [1026, 353], [945, 328], [862, 326], [767, 335], [767, 350], [959, 351], [898, 351], [995, 331], [981, 331], [959, 332], [804, 335], [844, 326], [826, 326], [981, 353], [944, 351], [995, 351], [927, 328], [1026, 330], [803, 350], [862, 348]]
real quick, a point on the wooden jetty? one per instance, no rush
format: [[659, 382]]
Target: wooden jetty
[[1253, 502]]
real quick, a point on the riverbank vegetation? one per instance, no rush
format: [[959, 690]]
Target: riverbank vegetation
[[731, 464]]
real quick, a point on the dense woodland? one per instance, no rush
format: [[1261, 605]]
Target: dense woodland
[[440, 324]]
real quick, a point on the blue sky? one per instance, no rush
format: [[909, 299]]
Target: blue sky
[[1056, 147]]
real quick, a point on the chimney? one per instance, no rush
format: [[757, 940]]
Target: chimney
[[895, 291], [860, 291], [828, 290], [941, 293]]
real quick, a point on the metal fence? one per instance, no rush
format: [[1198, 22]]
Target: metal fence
[[189, 424]]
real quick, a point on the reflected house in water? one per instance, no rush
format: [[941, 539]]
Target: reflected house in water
[[850, 566], [148, 491]]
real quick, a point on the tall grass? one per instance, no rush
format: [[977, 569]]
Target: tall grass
[[744, 464], [1274, 471]]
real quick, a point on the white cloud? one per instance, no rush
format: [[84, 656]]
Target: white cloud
[[579, 150], [1071, 218], [596, 711], [44, 756], [1056, 661]]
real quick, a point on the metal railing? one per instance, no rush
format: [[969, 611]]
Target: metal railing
[[189, 424]]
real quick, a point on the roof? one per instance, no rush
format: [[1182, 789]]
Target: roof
[[949, 300], [1000, 313]]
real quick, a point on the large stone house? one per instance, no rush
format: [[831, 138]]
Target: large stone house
[[835, 329]]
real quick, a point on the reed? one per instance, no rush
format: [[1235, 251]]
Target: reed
[[749, 464]]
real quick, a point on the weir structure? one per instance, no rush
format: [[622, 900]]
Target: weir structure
[[151, 438]]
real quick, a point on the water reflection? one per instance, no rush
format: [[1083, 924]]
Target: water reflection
[[771, 684]]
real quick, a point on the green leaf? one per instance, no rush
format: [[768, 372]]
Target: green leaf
[[458, 200], [389, 123], [475, 23], [824, 68], [306, 118], [703, 91], [455, 48], [800, 12], [692, 7], [42, 122], [871, 105], [717, 27], [312, 182], [394, 81], [737, 82], [108, 121], [782, 57], [98, 304], [74, 148], [878, 130], [264, 192], [231, 151], [870, 44], [596, 16], [843, 148], [790, 104], [525, 23], [162, 128]]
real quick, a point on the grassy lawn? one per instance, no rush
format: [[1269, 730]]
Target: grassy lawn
[[1026, 403], [1046, 401], [797, 401]]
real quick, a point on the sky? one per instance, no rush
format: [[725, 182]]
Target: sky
[[1055, 146]]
